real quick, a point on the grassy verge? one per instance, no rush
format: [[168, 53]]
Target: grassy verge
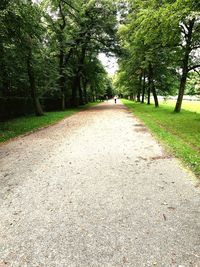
[[179, 132], [22, 125]]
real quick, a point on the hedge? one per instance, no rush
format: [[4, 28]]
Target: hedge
[[12, 107]]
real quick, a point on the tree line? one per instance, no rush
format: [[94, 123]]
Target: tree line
[[160, 42], [50, 48]]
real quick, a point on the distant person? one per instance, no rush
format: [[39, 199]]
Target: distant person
[[107, 98], [115, 99]]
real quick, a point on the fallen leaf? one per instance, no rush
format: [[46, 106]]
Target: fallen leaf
[[171, 208]]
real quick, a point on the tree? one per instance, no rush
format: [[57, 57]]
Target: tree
[[161, 38]]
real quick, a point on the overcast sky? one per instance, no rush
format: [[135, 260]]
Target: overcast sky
[[110, 63]]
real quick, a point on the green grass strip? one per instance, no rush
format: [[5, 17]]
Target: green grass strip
[[178, 132], [22, 125]]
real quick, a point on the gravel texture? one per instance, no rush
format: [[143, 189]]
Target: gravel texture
[[96, 190]]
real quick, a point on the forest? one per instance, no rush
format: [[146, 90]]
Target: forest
[[50, 52]]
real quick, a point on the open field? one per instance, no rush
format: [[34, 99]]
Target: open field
[[187, 105], [22, 125], [179, 132]]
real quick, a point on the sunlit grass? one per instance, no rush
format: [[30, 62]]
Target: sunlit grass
[[187, 105], [180, 132]]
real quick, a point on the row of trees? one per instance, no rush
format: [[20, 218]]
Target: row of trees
[[51, 48], [161, 48]]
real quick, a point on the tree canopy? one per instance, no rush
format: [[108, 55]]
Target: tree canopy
[[161, 42], [50, 49]]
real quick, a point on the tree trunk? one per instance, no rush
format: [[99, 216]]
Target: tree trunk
[[152, 85], [81, 102], [85, 91], [155, 95], [149, 90], [74, 92], [185, 66], [4, 73], [140, 88], [62, 62], [77, 81], [62, 78], [31, 75], [143, 86], [182, 85]]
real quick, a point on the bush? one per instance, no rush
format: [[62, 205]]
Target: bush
[[11, 107], [50, 103]]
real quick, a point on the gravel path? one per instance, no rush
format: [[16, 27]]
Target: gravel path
[[96, 190]]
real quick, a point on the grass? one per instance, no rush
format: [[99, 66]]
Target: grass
[[22, 125], [180, 132], [187, 105]]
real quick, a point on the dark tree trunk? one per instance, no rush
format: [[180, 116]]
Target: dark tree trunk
[[85, 91], [155, 95], [81, 102], [4, 73], [31, 75], [143, 87], [74, 92], [185, 66], [77, 82], [149, 90], [140, 88], [62, 61], [181, 90], [62, 78], [152, 85]]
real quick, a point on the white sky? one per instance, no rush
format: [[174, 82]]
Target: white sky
[[110, 63]]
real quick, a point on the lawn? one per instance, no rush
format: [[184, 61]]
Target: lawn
[[187, 105], [22, 125], [180, 132]]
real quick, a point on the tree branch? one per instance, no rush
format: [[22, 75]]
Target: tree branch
[[63, 17], [194, 67], [198, 72], [72, 7], [183, 29]]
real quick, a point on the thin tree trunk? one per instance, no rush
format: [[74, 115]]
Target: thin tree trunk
[[185, 67], [62, 78], [149, 90], [85, 91], [155, 95], [77, 83], [74, 92], [152, 85], [140, 88], [4, 73], [143, 86], [31, 75], [81, 102], [62, 56]]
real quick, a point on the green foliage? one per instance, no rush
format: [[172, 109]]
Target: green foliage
[[193, 85], [159, 39], [59, 39]]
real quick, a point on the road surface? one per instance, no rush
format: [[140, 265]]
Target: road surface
[[96, 190]]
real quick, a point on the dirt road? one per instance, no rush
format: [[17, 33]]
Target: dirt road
[[96, 190]]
